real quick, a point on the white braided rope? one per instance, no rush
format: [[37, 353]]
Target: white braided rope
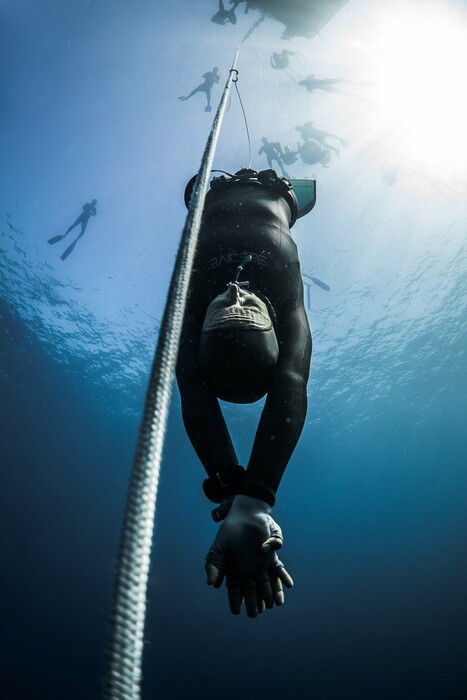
[[129, 604]]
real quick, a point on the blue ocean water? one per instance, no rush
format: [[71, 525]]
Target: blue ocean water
[[373, 503]]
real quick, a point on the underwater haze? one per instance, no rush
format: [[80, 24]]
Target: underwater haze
[[373, 503]]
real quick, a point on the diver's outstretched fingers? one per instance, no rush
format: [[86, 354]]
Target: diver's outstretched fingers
[[251, 598], [263, 586], [278, 575], [215, 575], [285, 577], [277, 590], [234, 593]]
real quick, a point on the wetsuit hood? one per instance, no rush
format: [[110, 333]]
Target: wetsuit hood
[[238, 346], [237, 309]]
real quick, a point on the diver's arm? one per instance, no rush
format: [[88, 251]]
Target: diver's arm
[[244, 550], [202, 415], [284, 412]]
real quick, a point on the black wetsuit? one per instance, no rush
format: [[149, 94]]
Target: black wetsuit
[[240, 219], [88, 211]]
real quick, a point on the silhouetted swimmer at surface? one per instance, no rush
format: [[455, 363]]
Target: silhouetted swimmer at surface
[[224, 16], [279, 61], [289, 157], [89, 209], [328, 84], [312, 153], [273, 152], [308, 131], [210, 78]]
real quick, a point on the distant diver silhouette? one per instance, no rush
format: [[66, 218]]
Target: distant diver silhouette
[[311, 152], [273, 151], [308, 131], [224, 16], [210, 78], [289, 157], [328, 85], [89, 209], [279, 61]]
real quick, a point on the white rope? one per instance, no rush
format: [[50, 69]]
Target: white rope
[[129, 604]]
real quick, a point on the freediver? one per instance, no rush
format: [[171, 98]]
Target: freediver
[[273, 152], [241, 340], [328, 85], [308, 131], [280, 61], [312, 153], [210, 78], [290, 157], [223, 16], [89, 209]]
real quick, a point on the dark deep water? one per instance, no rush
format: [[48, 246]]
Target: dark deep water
[[374, 502], [376, 541]]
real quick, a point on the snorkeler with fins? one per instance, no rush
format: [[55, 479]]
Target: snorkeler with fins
[[210, 79], [89, 209]]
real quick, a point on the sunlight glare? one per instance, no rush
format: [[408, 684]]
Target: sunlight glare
[[420, 53]]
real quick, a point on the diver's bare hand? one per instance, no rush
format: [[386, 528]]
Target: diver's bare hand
[[244, 552]]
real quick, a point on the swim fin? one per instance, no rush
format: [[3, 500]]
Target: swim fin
[[320, 284], [69, 250], [55, 239]]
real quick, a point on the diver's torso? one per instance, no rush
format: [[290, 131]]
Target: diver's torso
[[251, 220]]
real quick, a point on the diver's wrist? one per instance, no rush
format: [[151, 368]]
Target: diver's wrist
[[242, 503], [223, 484]]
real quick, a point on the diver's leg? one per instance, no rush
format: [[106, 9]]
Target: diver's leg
[[73, 225], [208, 107], [327, 145], [281, 166], [194, 91], [332, 88], [284, 412], [328, 83], [322, 138]]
